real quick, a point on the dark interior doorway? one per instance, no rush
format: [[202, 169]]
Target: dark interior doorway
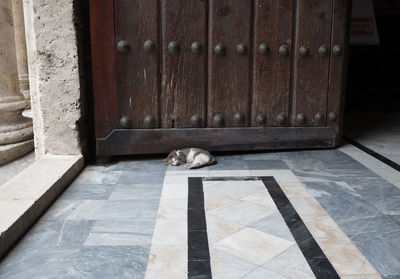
[[372, 110]]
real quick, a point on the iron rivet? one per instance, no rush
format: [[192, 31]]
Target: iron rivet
[[261, 119], [219, 120], [125, 122], [323, 51], [337, 50], [301, 118], [281, 119], [318, 117], [241, 49], [239, 118], [173, 47], [284, 50], [219, 49], [196, 48], [123, 46], [195, 120], [149, 121], [304, 51], [263, 49], [332, 116], [149, 46]]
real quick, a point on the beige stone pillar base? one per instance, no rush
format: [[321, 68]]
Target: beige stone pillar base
[[15, 130], [10, 152]]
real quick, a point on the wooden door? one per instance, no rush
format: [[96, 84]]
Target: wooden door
[[217, 74]]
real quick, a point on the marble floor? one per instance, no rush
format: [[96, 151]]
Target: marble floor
[[300, 214], [379, 131]]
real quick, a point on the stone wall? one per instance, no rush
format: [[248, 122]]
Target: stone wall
[[54, 76]]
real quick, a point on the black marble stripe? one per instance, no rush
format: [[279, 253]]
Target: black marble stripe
[[315, 257], [378, 156], [198, 249]]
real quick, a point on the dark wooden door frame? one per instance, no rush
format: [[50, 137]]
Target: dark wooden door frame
[[113, 141]]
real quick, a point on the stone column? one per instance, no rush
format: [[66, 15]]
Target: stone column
[[15, 130], [54, 79], [20, 46]]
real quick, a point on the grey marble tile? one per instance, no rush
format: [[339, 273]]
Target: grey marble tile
[[34, 263], [397, 276], [88, 191], [370, 228], [316, 175], [229, 163], [72, 209], [395, 218], [321, 160], [382, 194], [330, 189], [110, 262], [347, 207], [57, 235], [97, 177], [361, 182], [348, 173], [142, 165], [274, 225], [126, 209], [121, 233], [266, 164], [383, 254], [128, 177], [264, 156], [133, 192]]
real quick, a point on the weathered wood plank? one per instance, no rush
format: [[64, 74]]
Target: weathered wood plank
[[271, 70], [337, 73], [229, 73], [136, 22], [311, 71], [103, 66], [142, 141], [184, 84]]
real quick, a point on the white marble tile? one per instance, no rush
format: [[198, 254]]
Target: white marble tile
[[174, 191], [389, 174], [274, 225], [253, 246], [176, 179], [218, 229], [170, 232], [193, 173], [213, 201], [261, 198], [262, 273], [236, 189], [233, 173], [161, 263], [291, 263], [347, 259], [241, 212], [295, 190], [324, 230], [227, 266], [307, 206], [172, 209]]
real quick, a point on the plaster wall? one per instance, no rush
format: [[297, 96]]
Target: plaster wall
[[54, 76]]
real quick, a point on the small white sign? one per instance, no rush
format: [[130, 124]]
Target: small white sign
[[363, 25]]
